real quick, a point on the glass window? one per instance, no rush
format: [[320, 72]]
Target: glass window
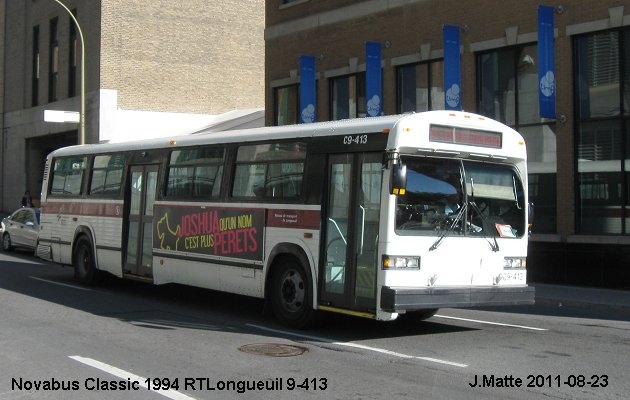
[[19, 216], [270, 171], [509, 85], [598, 75], [195, 173], [420, 87], [53, 65], [348, 97], [68, 176], [602, 133], [508, 92], [273, 151], [541, 160], [107, 174], [287, 105], [35, 67], [471, 198]]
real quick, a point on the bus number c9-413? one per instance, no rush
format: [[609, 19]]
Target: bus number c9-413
[[355, 139]]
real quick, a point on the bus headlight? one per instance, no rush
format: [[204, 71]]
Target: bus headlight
[[514, 263], [402, 262]]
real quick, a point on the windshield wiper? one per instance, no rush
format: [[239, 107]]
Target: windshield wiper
[[494, 245], [448, 230], [518, 206]]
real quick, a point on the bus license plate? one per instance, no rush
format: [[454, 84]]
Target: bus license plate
[[512, 276]]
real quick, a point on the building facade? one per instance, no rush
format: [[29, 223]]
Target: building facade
[[152, 68], [579, 161]]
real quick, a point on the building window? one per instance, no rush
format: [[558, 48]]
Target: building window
[[602, 97], [35, 68], [348, 97], [73, 48], [507, 82], [286, 105], [420, 87], [53, 65]]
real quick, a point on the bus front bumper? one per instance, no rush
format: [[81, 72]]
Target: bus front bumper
[[395, 299]]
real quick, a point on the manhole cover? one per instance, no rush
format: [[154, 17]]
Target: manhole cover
[[273, 349]]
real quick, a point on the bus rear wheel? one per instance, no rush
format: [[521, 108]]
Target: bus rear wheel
[[84, 265], [291, 294]]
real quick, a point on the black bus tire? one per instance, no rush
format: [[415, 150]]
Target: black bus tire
[[84, 264], [291, 294]]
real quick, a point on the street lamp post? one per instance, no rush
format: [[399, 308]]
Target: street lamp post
[[82, 125]]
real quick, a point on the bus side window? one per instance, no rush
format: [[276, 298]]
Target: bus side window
[[107, 174], [273, 171], [68, 176], [195, 172]]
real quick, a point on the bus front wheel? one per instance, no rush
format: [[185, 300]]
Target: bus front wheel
[[84, 265], [291, 297]]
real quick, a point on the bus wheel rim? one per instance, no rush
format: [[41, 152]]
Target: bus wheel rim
[[292, 291]]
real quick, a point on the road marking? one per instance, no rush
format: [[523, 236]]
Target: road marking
[[60, 284], [171, 394], [491, 323], [358, 346]]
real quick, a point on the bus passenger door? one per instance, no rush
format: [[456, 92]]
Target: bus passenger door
[[351, 212], [142, 185]]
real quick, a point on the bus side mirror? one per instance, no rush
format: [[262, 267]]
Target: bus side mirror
[[530, 217], [398, 181]]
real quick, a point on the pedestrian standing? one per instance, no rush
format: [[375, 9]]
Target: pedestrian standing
[[27, 200]]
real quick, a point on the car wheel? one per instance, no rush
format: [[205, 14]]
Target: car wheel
[[6, 242]]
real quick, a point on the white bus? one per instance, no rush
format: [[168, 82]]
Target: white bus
[[374, 217]]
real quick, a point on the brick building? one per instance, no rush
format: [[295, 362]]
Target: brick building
[[152, 68], [579, 162]]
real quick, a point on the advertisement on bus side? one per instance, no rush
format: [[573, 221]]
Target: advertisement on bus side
[[212, 231]]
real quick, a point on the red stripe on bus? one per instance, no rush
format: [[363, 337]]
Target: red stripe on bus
[[83, 208], [276, 218]]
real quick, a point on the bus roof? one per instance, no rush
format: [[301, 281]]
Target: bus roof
[[327, 128]]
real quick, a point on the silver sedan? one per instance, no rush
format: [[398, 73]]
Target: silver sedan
[[20, 229]]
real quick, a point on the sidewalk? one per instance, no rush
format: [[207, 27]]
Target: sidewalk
[[584, 297]]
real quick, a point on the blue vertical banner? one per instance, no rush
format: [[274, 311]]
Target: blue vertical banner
[[307, 89], [546, 63], [452, 68], [373, 79]]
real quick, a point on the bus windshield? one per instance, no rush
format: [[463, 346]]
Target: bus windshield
[[464, 197]]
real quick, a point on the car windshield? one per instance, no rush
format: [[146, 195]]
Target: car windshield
[[463, 197]]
